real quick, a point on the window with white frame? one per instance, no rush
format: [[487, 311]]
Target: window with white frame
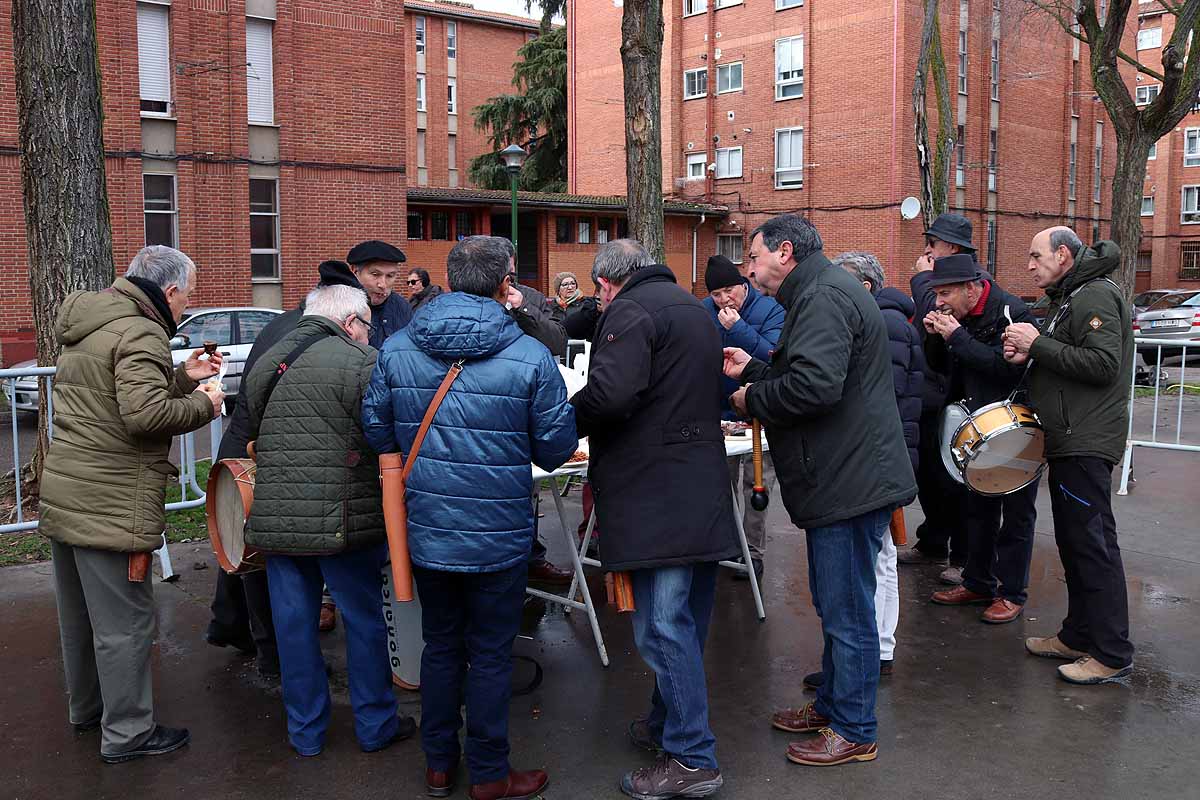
[[260, 72], [264, 229], [992, 158], [1147, 205], [995, 69], [154, 57], [1072, 160], [1144, 95], [729, 162], [1099, 163], [584, 226], [695, 83], [789, 67], [452, 95], [1189, 211], [1149, 38], [962, 62], [960, 157], [1191, 147], [789, 158], [694, 7], [729, 77], [419, 35], [696, 164], [158, 201], [420, 93], [730, 246], [780, 5], [452, 158], [451, 39], [422, 171], [728, 3], [1153, 152]]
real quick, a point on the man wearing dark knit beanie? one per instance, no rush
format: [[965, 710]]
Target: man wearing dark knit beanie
[[751, 321]]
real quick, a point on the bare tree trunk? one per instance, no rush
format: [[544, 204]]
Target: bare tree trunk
[[1126, 221], [934, 164], [59, 120], [641, 60]]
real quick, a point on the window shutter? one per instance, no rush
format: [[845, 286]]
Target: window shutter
[[154, 53], [260, 76]]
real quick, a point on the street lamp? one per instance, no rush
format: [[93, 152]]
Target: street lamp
[[514, 156]]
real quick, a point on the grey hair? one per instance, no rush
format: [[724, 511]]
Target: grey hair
[[336, 302], [790, 228], [1065, 237], [864, 266], [477, 265], [618, 259], [163, 266]]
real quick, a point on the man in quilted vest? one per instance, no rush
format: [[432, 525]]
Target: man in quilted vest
[[317, 512]]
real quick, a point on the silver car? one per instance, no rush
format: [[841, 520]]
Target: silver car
[[1174, 317], [1143, 300], [233, 329]]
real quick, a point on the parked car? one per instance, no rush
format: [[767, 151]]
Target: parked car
[[1143, 300], [233, 329], [1174, 317]]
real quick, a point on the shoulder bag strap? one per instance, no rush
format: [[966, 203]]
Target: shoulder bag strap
[[438, 397], [287, 362]]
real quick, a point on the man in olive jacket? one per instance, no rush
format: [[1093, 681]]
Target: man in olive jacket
[[1079, 384], [117, 403], [829, 405], [318, 514]]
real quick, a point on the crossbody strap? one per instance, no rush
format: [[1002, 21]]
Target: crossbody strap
[[287, 362], [438, 397]]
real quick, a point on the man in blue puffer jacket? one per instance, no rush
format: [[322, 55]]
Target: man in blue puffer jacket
[[470, 513], [750, 320]]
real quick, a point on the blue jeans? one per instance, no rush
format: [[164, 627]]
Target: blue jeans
[[841, 575], [468, 618], [670, 627], [295, 586]]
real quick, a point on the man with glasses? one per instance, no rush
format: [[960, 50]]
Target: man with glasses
[[420, 291], [376, 264]]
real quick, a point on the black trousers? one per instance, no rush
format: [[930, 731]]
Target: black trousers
[[943, 500], [1097, 621], [243, 602], [1000, 543]]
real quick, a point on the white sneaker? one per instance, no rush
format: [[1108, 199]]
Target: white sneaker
[[952, 576]]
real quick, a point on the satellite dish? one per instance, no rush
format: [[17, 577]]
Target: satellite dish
[[910, 208]]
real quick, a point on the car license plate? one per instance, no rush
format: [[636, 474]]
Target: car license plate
[[1169, 323]]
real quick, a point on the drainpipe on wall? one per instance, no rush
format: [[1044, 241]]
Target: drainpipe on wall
[[695, 236]]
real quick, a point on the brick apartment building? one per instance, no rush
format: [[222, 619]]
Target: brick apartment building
[[1170, 252], [263, 136], [787, 105]]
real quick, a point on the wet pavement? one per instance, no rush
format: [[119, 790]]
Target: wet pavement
[[966, 715]]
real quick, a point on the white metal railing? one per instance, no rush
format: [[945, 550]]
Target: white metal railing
[[188, 484], [1158, 346]]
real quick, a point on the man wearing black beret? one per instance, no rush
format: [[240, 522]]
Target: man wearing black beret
[[241, 607], [377, 264]]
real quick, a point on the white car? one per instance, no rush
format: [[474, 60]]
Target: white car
[[233, 329]]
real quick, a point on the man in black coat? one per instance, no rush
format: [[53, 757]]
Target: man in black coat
[[652, 409], [376, 264], [241, 605], [941, 536], [964, 339], [827, 399]]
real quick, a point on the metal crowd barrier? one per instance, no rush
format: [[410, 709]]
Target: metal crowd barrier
[[1157, 347], [190, 492]]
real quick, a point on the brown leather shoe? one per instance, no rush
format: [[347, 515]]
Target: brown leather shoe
[[829, 749], [542, 571], [1052, 647], [517, 786], [1088, 670], [959, 596], [1001, 611], [328, 618], [798, 720], [439, 784]]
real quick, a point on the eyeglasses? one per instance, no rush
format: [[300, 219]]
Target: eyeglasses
[[366, 324], [413, 281], [569, 284]]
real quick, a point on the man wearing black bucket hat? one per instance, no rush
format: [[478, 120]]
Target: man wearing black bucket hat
[[376, 264], [964, 339], [941, 535]]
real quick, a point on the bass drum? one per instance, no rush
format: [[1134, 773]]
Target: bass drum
[[1001, 449], [951, 419], [228, 497]]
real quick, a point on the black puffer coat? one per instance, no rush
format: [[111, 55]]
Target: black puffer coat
[[908, 364], [652, 409]]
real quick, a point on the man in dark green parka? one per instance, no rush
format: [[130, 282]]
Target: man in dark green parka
[[318, 514], [1079, 384]]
